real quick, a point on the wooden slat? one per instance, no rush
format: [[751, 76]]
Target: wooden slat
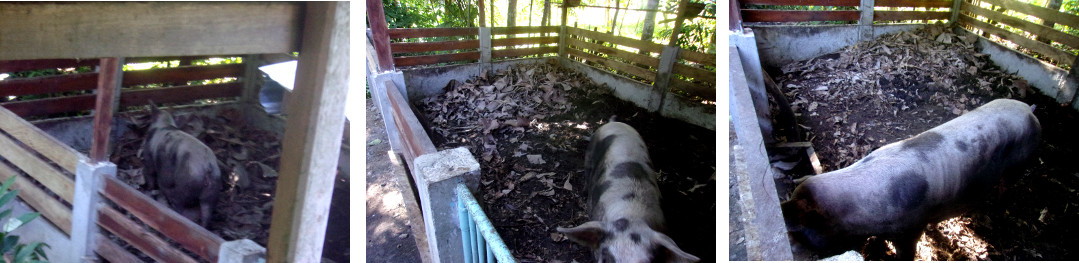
[[37, 64], [138, 237], [647, 46], [166, 221], [112, 252], [180, 94], [182, 74], [707, 59], [706, 92], [910, 15], [519, 52], [434, 59], [802, 2], [53, 210], [619, 66], [695, 73], [48, 106], [523, 41], [914, 3], [108, 85], [758, 15], [131, 60], [523, 30], [432, 32], [413, 136], [1039, 47], [40, 170], [57, 151], [1041, 12], [1033, 28], [62, 30], [410, 47], [628, 56], [48, 84]]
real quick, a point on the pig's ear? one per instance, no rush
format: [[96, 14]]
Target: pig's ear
[[676, 254], [588, 234]]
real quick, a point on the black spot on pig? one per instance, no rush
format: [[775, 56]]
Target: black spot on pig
[[621, 224], [596, 156], [629, 196], [908, 190], [962, 146], [923, 143], [597, 191], [606, 255], [633, 170]]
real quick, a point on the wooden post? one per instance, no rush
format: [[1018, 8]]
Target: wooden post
[[667, 59], [379, 35], [682, 6], [312, 139], [485, 48], [108, 86], [736, 16], [955, 12], [482, 23], [252, 79], [562, 33], [865, 22]]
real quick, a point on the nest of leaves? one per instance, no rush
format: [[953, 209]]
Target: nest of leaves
[[246, 156], [529, 126]]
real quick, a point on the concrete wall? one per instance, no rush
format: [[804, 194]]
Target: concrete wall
[[1049, 79], [622, 87], [424, 82], [779, 45]]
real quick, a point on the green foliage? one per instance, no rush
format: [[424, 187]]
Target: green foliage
[[10, 247], [429, 14]]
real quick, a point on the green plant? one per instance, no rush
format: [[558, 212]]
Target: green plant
[[10, 248]]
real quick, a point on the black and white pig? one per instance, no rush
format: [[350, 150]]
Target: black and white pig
[[181, 166], [895, 191], [627, 222]]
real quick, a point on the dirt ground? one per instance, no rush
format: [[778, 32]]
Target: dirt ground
[[529, 127], [865, 96], [389, 230]]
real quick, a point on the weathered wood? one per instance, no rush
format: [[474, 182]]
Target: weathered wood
[[915, 3], [396, 33], [48, 84], [50, 208], [312, 139], [108, 83], [180, 94], [523, 30], [1038, 47], [1036, 29], [647, 46], [182, 59], [376, 18], [735, 20], [676, 32], [523, 41], [138, 237], [434, 59], [252, 79], [412, 134], [910, 15], [410, 47], [188, 234], [519, 52], [36, 64], [758, 15], [182, 74], [62, 30], [57, 151], [1041, 12], [802, 2], [626, 55], [40, 170], [618, 66], [707, 59], [705, 92], [695, 73], [109, 250], [48, 106]]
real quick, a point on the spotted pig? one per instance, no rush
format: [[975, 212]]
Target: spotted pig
[[896, 190], [182, 167], [626, 220]]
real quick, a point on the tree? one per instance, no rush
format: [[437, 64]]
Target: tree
[[511, 14], [546, 20], [649, 20]]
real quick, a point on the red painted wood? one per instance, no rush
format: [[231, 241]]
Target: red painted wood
[[377, 21], [108, 84], [48, 84], [396, 33], [36, 64], [914, 3], [188, 234], [139, 97], [182, 74], [757, 15], [411, 47], [803, 2], [433, 59]]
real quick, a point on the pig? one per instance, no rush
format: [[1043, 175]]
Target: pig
[[896, 190], [627, 223], [182, 167]]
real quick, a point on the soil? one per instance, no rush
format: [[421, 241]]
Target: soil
[[874, 93], [389, 230], [531, 144]]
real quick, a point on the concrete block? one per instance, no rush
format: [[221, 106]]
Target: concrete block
[[436, 175], [624, 88], [780, 45], [485, 47], [678, 107], [241, 251], [754, 76], [89, 180]]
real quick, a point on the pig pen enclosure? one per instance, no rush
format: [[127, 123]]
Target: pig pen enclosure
[[522, 103], [73, 129], [830, 105]]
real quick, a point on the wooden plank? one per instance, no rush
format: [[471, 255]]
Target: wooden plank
[[182, 74], [188, 234], [62, 30], [914, 3], [1041, 12], [1034, 28], [138, 237], [48, 106], [180, 94], [1033, 45], [519, 52], [48, 84], [252, 79], [410, 47], [803, 2], [523, 41], [619, 66], [57, 151], [112, 252], [312, 139], [628, 56], [36, 64], [647, 46], [435, 59], [910, 15], [523, 30], [376, 19], [703, 91], [40, 170], [413, 135], [707, 59], [695, 73], [108, 83], [758, 15], [130, 60], [396, 33]]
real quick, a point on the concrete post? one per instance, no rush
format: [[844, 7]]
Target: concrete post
[[865, 22], [436, 175], [89, 180], [746, 44], [383, 103], [663, 76], [241, 251], [485, 48]]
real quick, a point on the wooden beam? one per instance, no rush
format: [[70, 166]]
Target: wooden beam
[[519, 52], [707, 59], [108, 84], [915, 3], [398, 33], [25, 132], [1039, 47], [616, 65], [36, 64], [127, 98], [647, 46], [523, 30], [501, 42], [910, 15], [312, 138], [252, 79], [376, 18], [62, 30], [138, 237], [48, 84], [39, 169], [1041, 12], [189, 235], [683, 5], [410, 47], [803, 2], [434, 59], [182, 74], [613, 52]]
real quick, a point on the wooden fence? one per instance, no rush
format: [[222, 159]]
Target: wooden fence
[[970, 16], [772, 15], [468, 49]]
